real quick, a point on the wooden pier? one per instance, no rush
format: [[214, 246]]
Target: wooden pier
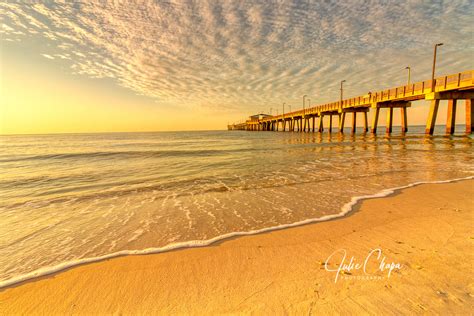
[[456, 87]]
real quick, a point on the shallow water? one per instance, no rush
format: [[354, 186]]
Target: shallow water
[[70, 197]]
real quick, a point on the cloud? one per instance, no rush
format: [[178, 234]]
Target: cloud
[[240, 55], [47, 56]]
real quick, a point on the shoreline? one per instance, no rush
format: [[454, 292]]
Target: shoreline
[[426, 229], [345, 211]]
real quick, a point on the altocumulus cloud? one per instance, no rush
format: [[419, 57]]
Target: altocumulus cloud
[[246, 54]]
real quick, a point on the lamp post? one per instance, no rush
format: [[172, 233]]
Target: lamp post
[[342, 81], [283, 113], [434, 66], [304, 97], [409, 74]]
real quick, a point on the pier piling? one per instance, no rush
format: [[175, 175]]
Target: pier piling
[[366, 126], [404, 120], [430, 124], [342, 118], [451, 119], [469, 115], [375, 120], [388, 126], [354, 122]]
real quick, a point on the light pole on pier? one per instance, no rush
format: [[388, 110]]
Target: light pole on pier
[[309, 103], [304, 97], [433, 84], [283, 113], [342, 81], [409, 74]]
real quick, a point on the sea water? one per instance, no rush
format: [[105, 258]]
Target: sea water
[[72, 198]]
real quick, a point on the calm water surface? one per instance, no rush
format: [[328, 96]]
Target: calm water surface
[[74, 196]]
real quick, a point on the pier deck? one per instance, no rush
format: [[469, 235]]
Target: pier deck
[[459, 86]]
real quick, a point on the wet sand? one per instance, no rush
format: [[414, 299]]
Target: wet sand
[[427, 230]]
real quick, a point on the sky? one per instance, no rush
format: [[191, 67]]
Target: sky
[[198, 65]]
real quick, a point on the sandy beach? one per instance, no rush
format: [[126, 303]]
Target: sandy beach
[[425, 232]]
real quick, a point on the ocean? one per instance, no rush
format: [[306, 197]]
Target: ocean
[[67, 199]]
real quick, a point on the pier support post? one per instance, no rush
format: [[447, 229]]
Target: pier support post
[[301, 125], [342, 118], [321, 126], [451, 119], [469, 115], [366, 125], [430, 124], [388, 127], [330, 123], [375, 120], [403, 112], [314, 122], [354, 122]]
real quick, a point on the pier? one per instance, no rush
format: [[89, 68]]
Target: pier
[[455, 88]]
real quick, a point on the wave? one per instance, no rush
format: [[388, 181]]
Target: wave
[[346, 209], [125, 154]]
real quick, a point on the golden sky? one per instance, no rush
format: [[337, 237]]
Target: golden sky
[[37, 98], [89, 67]]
